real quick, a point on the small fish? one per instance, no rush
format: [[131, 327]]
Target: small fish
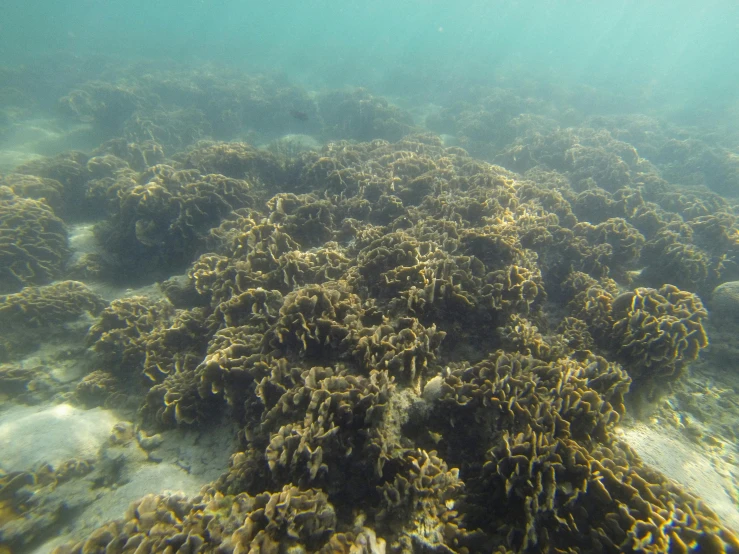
[[297, 114]]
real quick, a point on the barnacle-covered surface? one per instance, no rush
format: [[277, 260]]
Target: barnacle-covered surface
[[421, 351]]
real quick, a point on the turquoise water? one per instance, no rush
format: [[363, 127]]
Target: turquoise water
[[659, 52]]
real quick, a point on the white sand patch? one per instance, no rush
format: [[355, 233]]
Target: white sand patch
[[33, 132], [189, 460], [82, 238], [10, 159], [674, 455], [30, 435]]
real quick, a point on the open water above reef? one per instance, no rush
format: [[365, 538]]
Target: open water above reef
[[369, 277]]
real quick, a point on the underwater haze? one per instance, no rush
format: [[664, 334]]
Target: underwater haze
[[369, 277], [679, 53]]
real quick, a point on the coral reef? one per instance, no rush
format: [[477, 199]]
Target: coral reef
[[693, 162], [106, 105], [138, 155], [175, 401], [179, 106], [494, 120], [237, 160], [327, 343], [654, 333], [423, 352], [142, 342], [49, 305], [49, 191], [173, 129], [539, 452], [99, 388], [32, 502], [25, 384], [725, 301], [70, 170], [658, 332], [300, 520]]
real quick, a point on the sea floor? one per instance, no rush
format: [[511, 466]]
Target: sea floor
[[177, 461], [127, 463], [691, 436], [688, 445]]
